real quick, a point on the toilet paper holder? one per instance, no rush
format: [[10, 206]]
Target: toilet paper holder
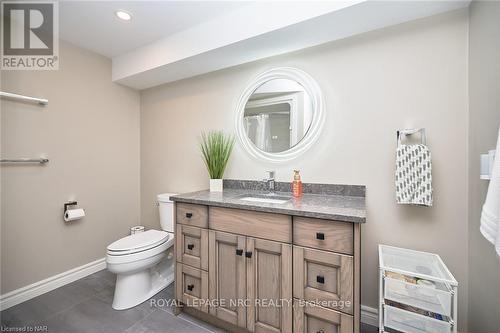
[[71, 203], [72, 214]]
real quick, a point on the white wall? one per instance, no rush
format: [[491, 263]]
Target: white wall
[[411, 75], [484, 120], [90, 132]]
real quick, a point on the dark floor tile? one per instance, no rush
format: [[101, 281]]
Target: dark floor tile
[[368, 328], [97, 282], [95, 315], [106, 295], [164, 322], [42, 307], [197, 322], [106, 275], [164, 300], [104, 284]]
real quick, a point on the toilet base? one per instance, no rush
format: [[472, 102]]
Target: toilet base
[[131, 290]]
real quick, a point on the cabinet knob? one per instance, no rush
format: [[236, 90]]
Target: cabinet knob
[[190, 287], [248, 254], [239, 252], [190, 246], [320, 236], [320, 279], [189, 215]]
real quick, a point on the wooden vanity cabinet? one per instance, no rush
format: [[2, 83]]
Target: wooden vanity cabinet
[[269, 279], [191, 286], [192, 246], [323, 276], [314, 319], [266, 272], [227, 276]]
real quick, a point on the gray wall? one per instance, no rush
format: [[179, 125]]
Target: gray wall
[[484, 122], [411, 75], [90, 132]]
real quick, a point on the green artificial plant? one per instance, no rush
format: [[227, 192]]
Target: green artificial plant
[[216, 148]]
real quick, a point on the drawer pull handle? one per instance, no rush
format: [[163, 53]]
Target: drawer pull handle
[[190, 287], [189, 215], [321, 331], [320, 279], [248, 254], [190, 246], [239, 252], [320, 236]]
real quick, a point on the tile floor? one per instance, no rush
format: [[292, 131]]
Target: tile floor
[[85, 306]]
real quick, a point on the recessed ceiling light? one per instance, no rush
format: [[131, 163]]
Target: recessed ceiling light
[[123, 15]]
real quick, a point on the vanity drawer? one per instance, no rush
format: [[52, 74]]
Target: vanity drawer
[[275, 227], [423, 297], [192, 246], [323, 234], [323, 277], [192, 287], [410, 322], [191, 214], [309, 318]]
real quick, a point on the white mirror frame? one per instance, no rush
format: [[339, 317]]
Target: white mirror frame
[[310, 86]]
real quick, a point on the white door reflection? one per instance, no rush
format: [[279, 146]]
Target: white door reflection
[[277, 115]]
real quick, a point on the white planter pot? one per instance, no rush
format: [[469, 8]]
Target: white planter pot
[[215, 185]]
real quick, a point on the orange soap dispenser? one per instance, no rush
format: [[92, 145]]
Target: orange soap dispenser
[[296, 184]]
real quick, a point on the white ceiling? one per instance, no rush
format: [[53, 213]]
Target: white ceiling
[[168, 41], [94, 26]]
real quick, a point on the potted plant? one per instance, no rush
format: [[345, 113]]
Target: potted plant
[[216, 148]]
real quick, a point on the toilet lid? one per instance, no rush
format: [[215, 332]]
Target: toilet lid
[[139, 241]]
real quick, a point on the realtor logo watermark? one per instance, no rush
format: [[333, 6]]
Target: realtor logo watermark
[[30, 35]]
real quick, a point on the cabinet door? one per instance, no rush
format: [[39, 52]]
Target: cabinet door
[[308, 318], [227, 277], [323, 277], [269, 286]]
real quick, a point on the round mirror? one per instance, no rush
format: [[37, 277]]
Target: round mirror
[[280, 114]]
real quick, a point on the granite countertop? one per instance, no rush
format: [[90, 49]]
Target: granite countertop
[[330, 203]]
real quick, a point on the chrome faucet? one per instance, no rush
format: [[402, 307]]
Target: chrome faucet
[[270, 181]]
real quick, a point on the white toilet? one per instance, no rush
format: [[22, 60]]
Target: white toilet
[[143, 262]]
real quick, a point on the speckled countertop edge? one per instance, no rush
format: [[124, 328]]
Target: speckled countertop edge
[[323, 206]]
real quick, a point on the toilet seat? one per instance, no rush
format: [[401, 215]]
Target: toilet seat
[[138, 242], [138, 257]]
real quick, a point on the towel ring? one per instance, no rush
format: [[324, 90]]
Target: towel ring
[[411, 131]]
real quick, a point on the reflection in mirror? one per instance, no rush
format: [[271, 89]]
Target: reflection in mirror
[[277, 115]]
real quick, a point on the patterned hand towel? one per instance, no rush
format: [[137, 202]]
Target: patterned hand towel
[[413, 175]]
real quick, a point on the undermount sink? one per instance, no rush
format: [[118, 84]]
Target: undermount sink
[[265, 198]]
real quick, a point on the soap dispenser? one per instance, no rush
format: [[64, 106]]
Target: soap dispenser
[[296, 184]]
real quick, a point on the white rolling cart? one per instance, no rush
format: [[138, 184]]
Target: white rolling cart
[[417, 292]]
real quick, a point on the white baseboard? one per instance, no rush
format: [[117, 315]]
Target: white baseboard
[[369, 315], [41, 287]]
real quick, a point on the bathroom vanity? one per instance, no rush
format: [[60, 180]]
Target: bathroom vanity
[[245, 263]]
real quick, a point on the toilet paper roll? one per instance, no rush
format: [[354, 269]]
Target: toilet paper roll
[[74, 214], [136, 229]]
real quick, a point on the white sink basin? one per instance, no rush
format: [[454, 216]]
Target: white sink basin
[[278, 200]]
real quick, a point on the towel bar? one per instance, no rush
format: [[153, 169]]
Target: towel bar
[[411, 131], [40, 160], [41, 101]]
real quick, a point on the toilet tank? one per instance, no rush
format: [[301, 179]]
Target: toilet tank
[[166, 207]]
